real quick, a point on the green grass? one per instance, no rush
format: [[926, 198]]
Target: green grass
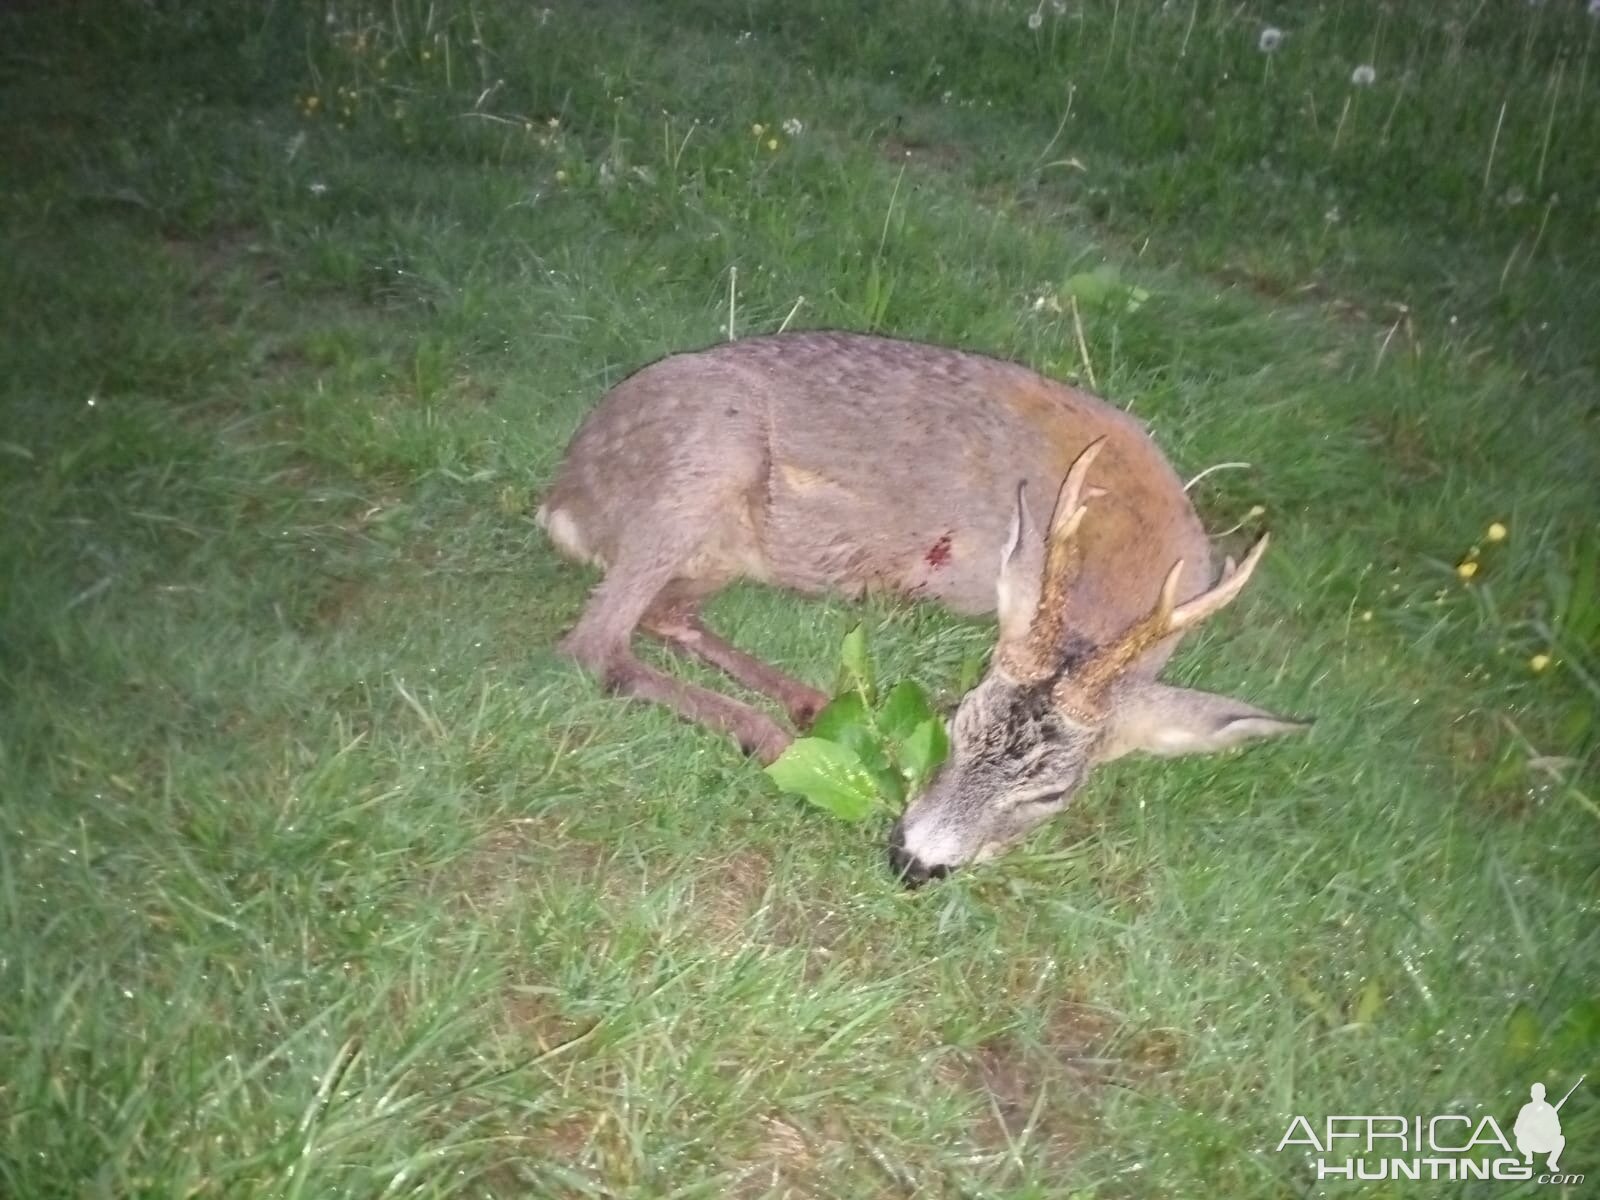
[[320, 875]]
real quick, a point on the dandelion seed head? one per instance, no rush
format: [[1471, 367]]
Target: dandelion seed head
[[1035, 19], [318, 188], [1364, 76], [1271, 38]]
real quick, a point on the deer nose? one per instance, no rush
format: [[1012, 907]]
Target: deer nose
[[907, 867]]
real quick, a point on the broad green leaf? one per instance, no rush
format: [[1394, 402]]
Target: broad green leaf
[[846, 720], [1369, 1003], [1092, 288], [891, 786], [1103, 288], [1576, 1044], [857, 668], [845, 711], [923, 751], [829, 775], [904, 708], [1523, 1033]]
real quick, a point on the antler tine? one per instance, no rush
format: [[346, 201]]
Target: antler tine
[[1077, 474], [1223, 594], [1044, 636], [1083, 688]]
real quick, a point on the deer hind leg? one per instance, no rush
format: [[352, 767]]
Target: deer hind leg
[[601, 642], [675, 620]]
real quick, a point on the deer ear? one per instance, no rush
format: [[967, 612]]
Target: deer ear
[[1169, 721], [1021, 567]]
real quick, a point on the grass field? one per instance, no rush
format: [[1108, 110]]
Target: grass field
[[321, 876]]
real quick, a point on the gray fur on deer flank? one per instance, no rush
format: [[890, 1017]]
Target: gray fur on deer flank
[[849, 463]]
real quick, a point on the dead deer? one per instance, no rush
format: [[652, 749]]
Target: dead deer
[[849, 463]]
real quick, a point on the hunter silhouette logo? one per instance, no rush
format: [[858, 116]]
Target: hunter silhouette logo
[[1538, 1126], [1449, 1146]]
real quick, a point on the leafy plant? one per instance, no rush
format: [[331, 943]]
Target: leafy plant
[[865, 753], [1103, 288]]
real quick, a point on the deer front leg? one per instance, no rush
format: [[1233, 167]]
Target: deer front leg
[[685, 632], [621, 673], [601, 642], [757, 734]]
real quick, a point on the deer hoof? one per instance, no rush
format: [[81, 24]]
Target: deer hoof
[[803, 706], [765, 747]]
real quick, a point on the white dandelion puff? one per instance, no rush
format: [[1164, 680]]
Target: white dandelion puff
[[1036, 19], [1271, 38], [794, 127], [318, 188], [1364, 76]]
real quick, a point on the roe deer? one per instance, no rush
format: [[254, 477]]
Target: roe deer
[[844, 462]]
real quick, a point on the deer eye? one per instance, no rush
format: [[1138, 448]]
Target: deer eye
[[1038, 798]]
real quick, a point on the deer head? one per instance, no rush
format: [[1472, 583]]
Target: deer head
[[1051, 708]]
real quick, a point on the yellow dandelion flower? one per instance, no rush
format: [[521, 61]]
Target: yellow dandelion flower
[[312, 103], [1496, 532], [561, 176], [1538, 662], [1367, 616], [427, 55], [772, 143], [1466, 569]]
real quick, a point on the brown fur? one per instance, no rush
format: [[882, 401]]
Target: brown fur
[[843, 462]]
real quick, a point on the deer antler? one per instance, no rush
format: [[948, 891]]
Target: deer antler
[[1084, 689], [1039, 654]]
